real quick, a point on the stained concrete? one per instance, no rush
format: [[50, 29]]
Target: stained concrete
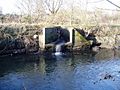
[[52, 34]]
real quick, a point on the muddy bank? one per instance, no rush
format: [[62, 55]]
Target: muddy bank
[[108, 35], [18, 39], [18, 46]]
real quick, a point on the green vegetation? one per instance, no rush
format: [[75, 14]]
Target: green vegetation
[[80, 40]]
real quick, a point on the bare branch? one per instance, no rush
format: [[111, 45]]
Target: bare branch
[[113, 3], [53, 6]]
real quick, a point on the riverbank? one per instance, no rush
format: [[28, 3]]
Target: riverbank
[[19, 39]]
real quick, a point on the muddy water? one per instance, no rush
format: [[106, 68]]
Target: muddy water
[[94, 71]]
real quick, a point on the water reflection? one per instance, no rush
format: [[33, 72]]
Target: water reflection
[[70, 72]]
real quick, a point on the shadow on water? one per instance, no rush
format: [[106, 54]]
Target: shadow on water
[[91, 71]]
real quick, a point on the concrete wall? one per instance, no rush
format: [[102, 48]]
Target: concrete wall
[[79, 38], [51, 34], [42, 39]]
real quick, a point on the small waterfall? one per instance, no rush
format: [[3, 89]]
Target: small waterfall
[[58, 48]]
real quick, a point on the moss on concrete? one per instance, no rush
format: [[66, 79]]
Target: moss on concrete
[[80, 40]]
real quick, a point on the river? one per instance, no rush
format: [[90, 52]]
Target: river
[[81, 71]]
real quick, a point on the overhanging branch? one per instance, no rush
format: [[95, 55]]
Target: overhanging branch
[[112, 3]]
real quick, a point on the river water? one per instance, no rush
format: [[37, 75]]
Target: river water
[[93, 71]]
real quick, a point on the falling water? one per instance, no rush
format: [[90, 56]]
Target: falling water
[[58, 48]]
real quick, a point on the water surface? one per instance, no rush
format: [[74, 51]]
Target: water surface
[[93, 71]]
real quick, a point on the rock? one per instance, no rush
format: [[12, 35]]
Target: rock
[[105, 76], [108, 76], [95, 49]]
